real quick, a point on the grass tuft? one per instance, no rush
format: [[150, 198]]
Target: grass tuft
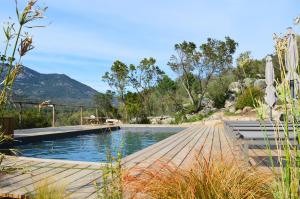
[[45, 190], [217, 179]]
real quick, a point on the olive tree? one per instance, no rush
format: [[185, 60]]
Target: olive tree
[[143, 78], [118, 78], [196, 66]]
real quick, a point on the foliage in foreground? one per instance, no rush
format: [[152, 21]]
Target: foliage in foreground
[[210, 180], [45, 190]]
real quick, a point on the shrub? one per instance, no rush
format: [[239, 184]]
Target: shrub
[[249, 97], [218, 90], [33, 119]]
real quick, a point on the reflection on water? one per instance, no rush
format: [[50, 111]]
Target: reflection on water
[[93, 147]]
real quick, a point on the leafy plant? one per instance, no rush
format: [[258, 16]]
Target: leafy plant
[[249, 97], [111, 186]]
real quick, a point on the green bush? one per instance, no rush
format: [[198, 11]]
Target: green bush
[[34, 119], [249, 97], [218, 90]]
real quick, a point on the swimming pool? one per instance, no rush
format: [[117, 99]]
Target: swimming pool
[[94, 147]]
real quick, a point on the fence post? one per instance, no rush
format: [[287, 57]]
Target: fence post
[[81, 118], [53, 115], [97, 118], [20, 115]]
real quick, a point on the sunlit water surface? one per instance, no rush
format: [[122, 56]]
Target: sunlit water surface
[[95, 147]]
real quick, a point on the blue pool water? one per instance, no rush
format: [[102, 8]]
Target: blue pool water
[[95, 147]]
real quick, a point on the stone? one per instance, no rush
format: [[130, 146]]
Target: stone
[[260, 83], [207, 103], [235, 87], [247, 109], [168, 120], [232, 109], [248, 82], [229, 104], [206, 110]]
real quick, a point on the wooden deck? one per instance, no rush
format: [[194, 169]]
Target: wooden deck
[[79, 177]]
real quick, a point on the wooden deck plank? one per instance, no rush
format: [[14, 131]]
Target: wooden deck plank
[[156, 146], [195, 150], [189, 148], [165, 153], [21, 174], [158, 151], [43, 173]]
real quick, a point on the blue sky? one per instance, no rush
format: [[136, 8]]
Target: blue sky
[[85, 36]]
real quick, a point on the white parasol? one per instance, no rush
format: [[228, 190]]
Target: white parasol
[[270, 96], [291, 62]]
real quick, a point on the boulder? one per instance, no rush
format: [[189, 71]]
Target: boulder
[[167, 120], [248, 82], [207, 103], [160, 120], [229, 103], [207, 110], [232, 109], [247, 109], [235, 87], [260, 83]]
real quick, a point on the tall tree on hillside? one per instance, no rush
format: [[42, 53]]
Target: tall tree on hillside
[[184, 63], [143, 78], [195, 66], [146, 75], [118, 78]]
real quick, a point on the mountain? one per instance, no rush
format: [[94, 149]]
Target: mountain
[[33, 86]]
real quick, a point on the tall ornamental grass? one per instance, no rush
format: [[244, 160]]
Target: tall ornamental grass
[[287, 174], [214, 179]]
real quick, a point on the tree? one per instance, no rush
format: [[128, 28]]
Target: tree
[[104, 102], [184, 63], [195, 68], [118, 78], [133, 105], [248, 67], [143, 79], [167, 95]]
